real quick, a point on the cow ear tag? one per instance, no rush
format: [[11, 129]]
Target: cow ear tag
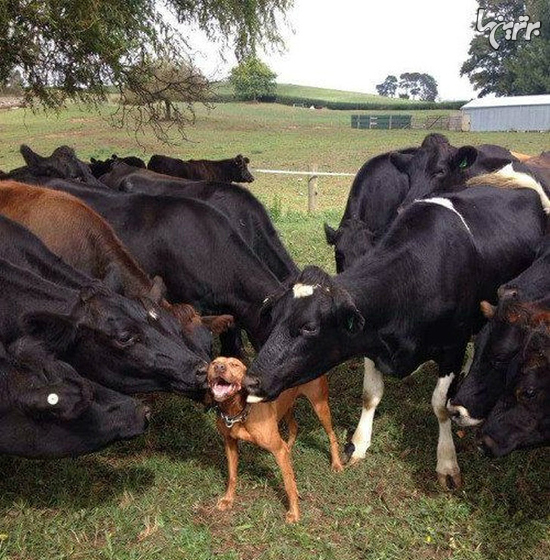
[[53, 399]]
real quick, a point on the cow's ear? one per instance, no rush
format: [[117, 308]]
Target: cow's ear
[[348, 317], [400, 161], [487, 309], [330, 234], [56, 331], [158, 290], [465, 157], [31, 158]]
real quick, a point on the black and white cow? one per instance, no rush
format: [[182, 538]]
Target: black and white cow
[[413, 298]]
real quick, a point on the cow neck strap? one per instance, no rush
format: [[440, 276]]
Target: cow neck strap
[[230, 421]]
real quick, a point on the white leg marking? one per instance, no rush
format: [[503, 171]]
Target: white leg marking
[[447, 464], [373, 389]]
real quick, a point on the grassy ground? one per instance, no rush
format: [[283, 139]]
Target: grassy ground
[[154, 497]]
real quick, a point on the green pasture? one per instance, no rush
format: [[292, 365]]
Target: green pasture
[[154, 497]]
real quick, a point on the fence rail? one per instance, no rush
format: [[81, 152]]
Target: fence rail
[[312, 174]]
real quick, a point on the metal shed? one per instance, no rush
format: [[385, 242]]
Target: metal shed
[[526, 112]]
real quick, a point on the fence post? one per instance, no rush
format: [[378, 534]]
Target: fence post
[[312, 191]]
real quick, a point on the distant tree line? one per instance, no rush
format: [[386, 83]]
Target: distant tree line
[[411, 85]]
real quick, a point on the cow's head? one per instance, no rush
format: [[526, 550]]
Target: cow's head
[[496, 346], [240, 172], [314, 322], [351, 240], [521, 417], [48, 410], [121, 343], [61, 164]]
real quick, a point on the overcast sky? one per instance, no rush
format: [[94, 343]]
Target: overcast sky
[[354, 44]]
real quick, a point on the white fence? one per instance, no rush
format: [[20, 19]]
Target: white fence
[[312, 174]]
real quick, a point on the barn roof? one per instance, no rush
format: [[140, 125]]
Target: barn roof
[[520, 100]]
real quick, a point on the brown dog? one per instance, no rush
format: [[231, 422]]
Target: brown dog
[[258, 423]]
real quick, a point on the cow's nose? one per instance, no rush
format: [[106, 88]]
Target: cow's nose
[[506, 293], [219, 368]]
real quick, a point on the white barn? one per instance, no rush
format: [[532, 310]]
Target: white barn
[[526, 112]]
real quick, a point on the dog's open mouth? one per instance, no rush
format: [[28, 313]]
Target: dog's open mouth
[[222, 389]]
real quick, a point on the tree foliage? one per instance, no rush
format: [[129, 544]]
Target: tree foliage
[[81, 50], [253, 80], [388, 88], [517, 67], [416, 85]]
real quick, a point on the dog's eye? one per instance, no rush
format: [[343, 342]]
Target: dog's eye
[[528, 394]]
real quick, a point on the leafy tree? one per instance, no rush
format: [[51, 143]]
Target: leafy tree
[[253, 80], [388, 87], [517, 67], [418, 86], [13, 84], [82, 50]]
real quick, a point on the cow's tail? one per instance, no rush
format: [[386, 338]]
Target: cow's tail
[[509, 178]]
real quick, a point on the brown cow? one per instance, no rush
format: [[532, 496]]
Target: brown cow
[[81, 237], [233, 170]]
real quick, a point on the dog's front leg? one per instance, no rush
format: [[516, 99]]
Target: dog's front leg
[[232, 454], [282, 456]]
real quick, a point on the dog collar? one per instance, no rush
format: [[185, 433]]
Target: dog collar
[[230, 421]]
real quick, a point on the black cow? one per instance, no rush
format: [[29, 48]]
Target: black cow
[[500, 341], [438, 167], [106, 337], [225, 170], [521, 417], [245, 212], [206, 263], [413, 298], [48, 410], [99, 167], [376, 193]]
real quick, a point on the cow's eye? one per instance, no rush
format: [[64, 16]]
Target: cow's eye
[[125, 339], [309, 329], [528, 394]]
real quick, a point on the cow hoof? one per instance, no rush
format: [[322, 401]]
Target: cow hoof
[[450, 481], [349, 450]]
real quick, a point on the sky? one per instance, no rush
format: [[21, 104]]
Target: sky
[[354, 44]]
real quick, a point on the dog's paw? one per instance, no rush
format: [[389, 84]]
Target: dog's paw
[[292, 516], [224, 504], [336, 466]]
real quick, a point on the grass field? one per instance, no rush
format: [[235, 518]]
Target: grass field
[[155, 497]]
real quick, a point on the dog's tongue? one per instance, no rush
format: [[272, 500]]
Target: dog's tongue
[[222, 389]]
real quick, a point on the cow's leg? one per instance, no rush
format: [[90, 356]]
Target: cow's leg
[[448, 471], [373, 389]]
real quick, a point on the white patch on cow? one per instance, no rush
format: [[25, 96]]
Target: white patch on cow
[[526, 181], [462, 417], [254, 399], [302, 290], [447, 465], [446, 203], [373, 389], [53, 399]]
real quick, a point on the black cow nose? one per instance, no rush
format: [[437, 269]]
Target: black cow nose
[[252, 384]]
